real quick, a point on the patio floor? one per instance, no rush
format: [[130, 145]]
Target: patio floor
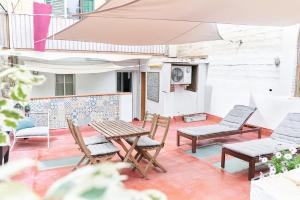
[[189, 176]]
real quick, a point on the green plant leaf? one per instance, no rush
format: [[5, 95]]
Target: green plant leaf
[[93, 193], [14, 190], [3, 138], [14, 96], [60, 192], [11, 114], [21, 94], [10, 123], [3, 102]]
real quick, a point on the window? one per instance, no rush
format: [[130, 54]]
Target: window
[[87, 6], [124, 81], [70, 7], [57, 6], [65, 84]]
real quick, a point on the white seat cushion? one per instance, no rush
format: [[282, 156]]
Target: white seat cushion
[[102, 149], [206, 130], [33, 132], [144, 141], [259, 147], [96, 139]]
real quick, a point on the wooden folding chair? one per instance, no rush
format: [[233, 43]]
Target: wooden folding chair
[[71, 129], [97, 152], [149, 118], [146, 144], [95, 139]]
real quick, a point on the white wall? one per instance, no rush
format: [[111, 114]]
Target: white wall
[[181, 101], [85, 84], [126, 108], [96, 83], [244, 73], [47, 88]]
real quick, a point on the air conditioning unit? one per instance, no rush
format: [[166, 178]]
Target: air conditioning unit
[[181, 75]]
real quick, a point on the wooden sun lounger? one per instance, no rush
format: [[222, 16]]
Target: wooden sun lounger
[[287, 134], [233, 123]]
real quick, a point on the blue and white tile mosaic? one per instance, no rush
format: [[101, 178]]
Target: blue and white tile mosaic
[[82, 109]]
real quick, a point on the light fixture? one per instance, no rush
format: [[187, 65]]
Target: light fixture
[[277, 61]]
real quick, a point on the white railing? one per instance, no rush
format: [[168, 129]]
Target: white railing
[[21, 31]]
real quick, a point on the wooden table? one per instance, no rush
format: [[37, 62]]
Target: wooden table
[[118, 130]]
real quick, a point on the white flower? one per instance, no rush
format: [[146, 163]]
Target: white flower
[[263, 159], [288, 156], [278, 155], [293, 150], [284, 163], [272, 170], [284, 169]]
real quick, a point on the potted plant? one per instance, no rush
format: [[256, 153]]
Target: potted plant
[[281, 161]]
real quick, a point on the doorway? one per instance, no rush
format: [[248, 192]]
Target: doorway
[[124, 81], [143, 94]]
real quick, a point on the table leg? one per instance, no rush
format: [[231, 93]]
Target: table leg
[[129, 152], [130, 157]]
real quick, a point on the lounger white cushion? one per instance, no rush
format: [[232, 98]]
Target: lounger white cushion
[[33, 132], [255, 148], [286, 135], [233, 121], [237, 116], [102, 149], [96, 139], [289, 129], [144, 141], [206, 130]]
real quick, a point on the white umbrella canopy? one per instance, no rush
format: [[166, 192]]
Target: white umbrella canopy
[[77, 65], [146, 22], [242, 12], [74, 63], [105, 28], [138, 31]]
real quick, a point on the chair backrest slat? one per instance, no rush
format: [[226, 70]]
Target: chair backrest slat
[[163, 122], [238, 116], [70, 126], [80, 140], [150, 118]]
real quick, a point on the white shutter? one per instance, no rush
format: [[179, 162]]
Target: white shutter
[[57, 7]]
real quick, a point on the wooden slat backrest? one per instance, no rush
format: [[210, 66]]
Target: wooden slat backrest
[[80, 140], [153, 126], [70, 126], [148, 118], [163, 122]]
